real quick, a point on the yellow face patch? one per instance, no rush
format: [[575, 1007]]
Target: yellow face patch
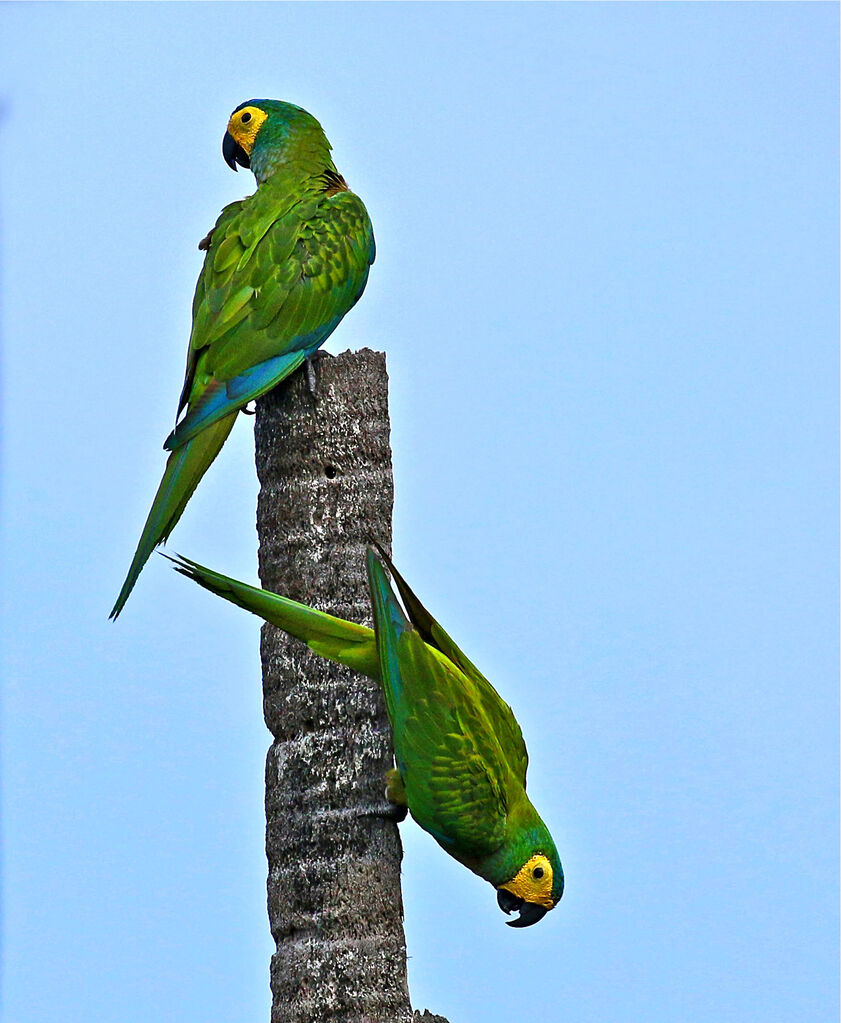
[[244, 125], [533, 882]]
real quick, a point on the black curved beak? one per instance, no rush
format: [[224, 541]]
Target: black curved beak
[[234, 153], [530, 912]]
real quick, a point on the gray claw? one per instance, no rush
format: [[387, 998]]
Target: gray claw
[[309, 369]]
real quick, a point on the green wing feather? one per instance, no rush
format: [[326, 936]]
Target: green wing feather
[[282, 268], [498, 712], [451, 763], [270, 287]]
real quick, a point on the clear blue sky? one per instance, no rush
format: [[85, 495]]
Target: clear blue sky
[[607, 286]]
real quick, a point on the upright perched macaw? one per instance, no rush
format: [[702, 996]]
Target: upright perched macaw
[[283, 266], [461, 759]]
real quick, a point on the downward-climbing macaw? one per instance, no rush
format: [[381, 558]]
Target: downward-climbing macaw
[[283, 266], [461, 759]]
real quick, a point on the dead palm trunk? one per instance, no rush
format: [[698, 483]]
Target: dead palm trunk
[[334, 899]]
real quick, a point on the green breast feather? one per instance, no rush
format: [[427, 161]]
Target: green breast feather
[[459, 751]]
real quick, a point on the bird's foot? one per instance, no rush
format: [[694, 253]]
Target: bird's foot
[[395, 794]]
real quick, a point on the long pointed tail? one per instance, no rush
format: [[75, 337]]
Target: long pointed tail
[[184, 468], [334, 638]]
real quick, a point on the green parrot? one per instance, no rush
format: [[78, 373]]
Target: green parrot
[[461, 759], [283, 266]]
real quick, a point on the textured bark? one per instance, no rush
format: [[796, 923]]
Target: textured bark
[[335, 905]]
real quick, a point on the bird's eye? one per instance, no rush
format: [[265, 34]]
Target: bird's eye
[[537, 873], [246, 117]]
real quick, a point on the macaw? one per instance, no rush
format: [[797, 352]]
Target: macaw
[[460, 755], [282, 268]]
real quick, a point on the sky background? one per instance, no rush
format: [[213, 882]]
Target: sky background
[[607, 287]]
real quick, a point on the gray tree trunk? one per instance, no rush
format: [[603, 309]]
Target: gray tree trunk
[[334, 899]]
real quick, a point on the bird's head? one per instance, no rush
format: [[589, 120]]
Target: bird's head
[[264, 133], [536, 888]]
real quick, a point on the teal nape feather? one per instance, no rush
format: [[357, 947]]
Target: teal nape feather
[[282, 268], [460, 755]]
